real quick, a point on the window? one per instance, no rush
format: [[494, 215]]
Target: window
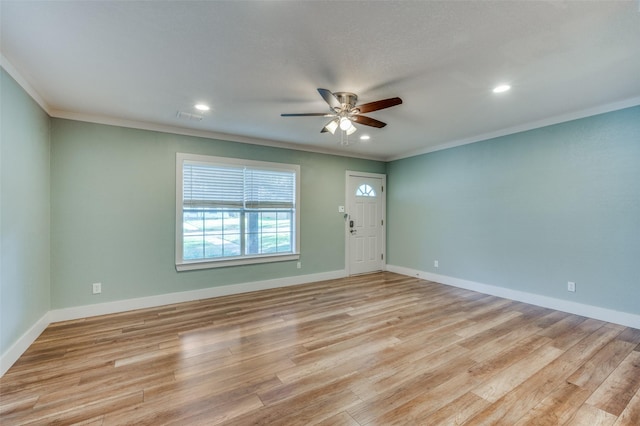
[[233, 212], [365, 190]]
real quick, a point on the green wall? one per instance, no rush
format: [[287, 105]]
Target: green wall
[[113, 212], [24, 212], [528, 211]]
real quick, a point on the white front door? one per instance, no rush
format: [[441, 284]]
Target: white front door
[[365, 222]]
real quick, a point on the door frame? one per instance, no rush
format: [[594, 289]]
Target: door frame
[[347, 199]]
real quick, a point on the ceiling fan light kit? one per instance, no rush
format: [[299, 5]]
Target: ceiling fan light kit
[[343, 110], [351, 130], [331, 127], [345, 124]]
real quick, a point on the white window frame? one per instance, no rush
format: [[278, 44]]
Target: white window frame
[[187, 265]]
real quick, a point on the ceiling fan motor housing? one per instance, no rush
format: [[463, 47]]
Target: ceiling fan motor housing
[[347, 99]]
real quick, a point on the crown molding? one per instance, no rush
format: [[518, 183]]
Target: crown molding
[[154, 127], [589, 112], [15, 74]]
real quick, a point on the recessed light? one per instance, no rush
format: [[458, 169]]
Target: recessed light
[[202, 107], [365, 137], [501, 88]]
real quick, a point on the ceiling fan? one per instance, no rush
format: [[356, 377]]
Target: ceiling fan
[[344, 112]]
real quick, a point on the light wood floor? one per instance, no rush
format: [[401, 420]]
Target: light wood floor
[[381, 349]]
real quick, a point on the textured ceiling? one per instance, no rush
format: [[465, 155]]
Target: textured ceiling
[[138, 63]]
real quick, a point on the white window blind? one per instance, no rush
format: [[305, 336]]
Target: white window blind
[[212, 186], [232, 211], [269, 189], [234, 187]]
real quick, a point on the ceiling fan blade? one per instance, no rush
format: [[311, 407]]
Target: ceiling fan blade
[[382, 104], [309, 114], [368, 121], [330, 98]]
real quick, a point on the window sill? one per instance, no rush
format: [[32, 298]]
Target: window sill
[[247, 260]]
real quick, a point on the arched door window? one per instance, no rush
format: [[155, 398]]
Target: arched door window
[[365, 190]]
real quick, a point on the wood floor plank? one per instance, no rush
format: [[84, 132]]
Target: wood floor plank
[[318, 409], [16, 403], [302, 368], [490, 366], [420, 409], [594, 372], [206, 413], [571, 336], [495, 333], [106, 383], [503, 382], [341, 419], [588, 415], [622, 384], [458, 411], [557, 408], [283, 391], [631, 414], [73, 411], [514, 404], [366, 350], [383, 380], [327, 401], [416, 384]]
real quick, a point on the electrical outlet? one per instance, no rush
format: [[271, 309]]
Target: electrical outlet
[[436, 264], [571, 286], [97, 288], [299, 265]]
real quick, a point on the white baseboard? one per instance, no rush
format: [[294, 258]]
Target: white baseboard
[[187, 296], [22, 344], [595, 312], [17, 349]]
